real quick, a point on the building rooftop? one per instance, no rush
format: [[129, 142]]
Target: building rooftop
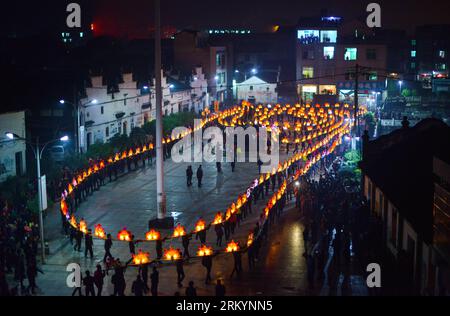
[[401, 165]]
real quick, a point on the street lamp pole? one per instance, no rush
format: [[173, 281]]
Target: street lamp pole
[[37, 154], [37, 151]]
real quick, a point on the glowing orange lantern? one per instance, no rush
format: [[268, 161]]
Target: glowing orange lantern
[[153, 235], [205, 251], [218, 219], [172, 254], [179, 231], [70, 188], [124, 235], [99, 232], [141, 258], [63, 206], [200, 226], [250, 240], [73, 221], [232, 247], [83, 226]]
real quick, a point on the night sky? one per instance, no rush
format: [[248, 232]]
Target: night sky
[[135, 17]]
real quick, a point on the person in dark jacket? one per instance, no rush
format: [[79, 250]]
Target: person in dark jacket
[[108, 245], [99, 276], [88, 243], [189, 175], [88, 283], [180, 272], [220, 289], [138, 286], [199, 176], [191, 291]]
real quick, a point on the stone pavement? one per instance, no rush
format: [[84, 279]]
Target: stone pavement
[[131, 202]]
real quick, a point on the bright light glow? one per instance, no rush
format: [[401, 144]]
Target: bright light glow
[[236, 71], [171, 86], [297, 183], [95, 101], [145, 87], [10, 135], [400, 82], [64, 138], [254, 71], [195, 78], [62, 101], [216, 78]]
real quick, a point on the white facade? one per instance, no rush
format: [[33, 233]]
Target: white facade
[[257, 90], [200, 95], [120, 112], [12, 152]]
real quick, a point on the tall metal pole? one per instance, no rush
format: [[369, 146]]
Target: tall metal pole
[[41, 220], [161, 196], [356, 99], [76, 122]]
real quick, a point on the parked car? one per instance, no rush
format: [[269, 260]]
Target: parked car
[[58, 153]]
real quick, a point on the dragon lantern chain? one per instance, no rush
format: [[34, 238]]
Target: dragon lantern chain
[[327, 122]]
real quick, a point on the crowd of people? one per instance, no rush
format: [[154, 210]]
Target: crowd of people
[[19, 238], [336, 225]]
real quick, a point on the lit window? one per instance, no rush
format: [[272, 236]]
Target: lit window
[[413, 53], [351, 53], [442, 53], [308, 36], [328, 36], [372, 76], [81, 34], [308, 72], [62, 34], [413, 42], [328, 52]]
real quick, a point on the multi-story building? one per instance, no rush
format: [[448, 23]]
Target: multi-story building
[[429, 54], [106, 112], [405, 180], [328, 52], [12, 152], [192, 49]]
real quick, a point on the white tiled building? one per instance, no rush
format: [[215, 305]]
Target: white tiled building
[[104, 114], [12, 153], [256, 90]]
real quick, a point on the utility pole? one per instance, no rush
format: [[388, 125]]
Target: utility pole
[[161, 196], [356, 103], [76, 120], [40, 206]]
